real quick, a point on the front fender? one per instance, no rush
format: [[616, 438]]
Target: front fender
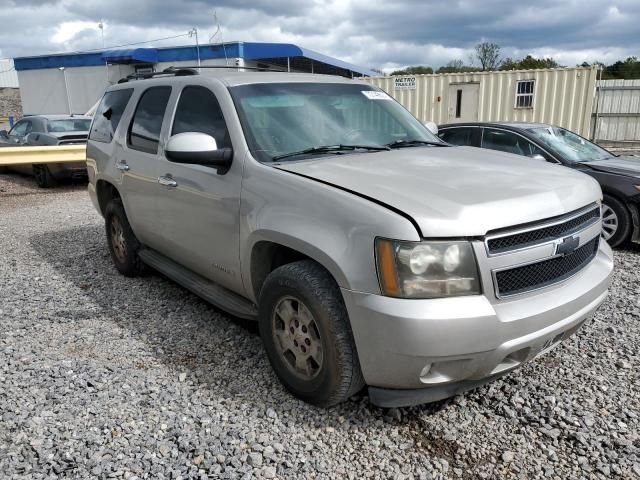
[[334, 227], [295, 243]]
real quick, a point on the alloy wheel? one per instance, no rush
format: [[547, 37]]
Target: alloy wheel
[[118, 241], [609, 222], [297, 338]]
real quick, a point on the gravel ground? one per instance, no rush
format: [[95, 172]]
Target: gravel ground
[[102, 376]]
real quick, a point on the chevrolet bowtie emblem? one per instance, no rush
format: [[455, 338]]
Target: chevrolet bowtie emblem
[[567, 246]]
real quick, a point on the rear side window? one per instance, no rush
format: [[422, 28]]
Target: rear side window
[[144, 132], [108, 115], [199, 111], [505, 142], [457, 136]]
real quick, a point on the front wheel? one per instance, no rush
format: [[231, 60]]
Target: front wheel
[[43, 176], [616, 221], [307, 336]]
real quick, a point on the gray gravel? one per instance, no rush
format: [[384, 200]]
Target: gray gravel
[[107, 377]]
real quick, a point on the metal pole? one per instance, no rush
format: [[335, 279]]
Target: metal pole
[[288, 64], [106, 65], [598, 90], [66, 88], [197, 47]]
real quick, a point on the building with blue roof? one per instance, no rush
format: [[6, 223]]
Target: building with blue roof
[[74, 82]]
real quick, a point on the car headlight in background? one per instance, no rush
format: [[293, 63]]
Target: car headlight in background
[[426, 269]]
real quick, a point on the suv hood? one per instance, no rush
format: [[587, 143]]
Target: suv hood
[[624, 165], [456, 191]]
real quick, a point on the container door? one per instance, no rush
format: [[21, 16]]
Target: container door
[[463, 102]]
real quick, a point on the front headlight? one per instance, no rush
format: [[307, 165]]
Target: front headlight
[[426, 269]]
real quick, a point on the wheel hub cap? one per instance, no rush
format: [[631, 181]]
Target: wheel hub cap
[[117, 239], [297, 338], [609, 222]]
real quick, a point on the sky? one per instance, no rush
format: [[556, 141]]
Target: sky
[[374, 34]]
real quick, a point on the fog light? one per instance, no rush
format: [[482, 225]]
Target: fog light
[[425, 370]]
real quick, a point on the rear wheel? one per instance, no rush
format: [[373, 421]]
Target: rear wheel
[[616, 221], [123, 244], [43, 176], [307, 336]]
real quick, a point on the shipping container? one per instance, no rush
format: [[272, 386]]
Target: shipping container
[[561, 96]]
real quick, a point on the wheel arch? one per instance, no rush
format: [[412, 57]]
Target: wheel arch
[[270, 250], [106, 191]]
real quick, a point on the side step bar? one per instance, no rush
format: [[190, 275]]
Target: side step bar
[[215, 294]]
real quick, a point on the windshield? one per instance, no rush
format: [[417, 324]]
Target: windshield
[[70, 125], [572, 147], [294, 120]]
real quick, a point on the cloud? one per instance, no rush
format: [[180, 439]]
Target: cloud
[[373, 34]]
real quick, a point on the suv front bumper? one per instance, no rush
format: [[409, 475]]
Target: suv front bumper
[[417, 351]]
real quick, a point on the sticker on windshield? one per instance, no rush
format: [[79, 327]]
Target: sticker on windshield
[[375, 95]]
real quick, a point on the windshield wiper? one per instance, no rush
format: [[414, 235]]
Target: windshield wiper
[[413, 143], [331, 149]]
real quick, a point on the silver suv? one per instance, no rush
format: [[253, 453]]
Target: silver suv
[[369, 251]]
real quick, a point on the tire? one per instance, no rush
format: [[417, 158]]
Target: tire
[[43, 176], [616, 221], [333, 373], [123, 244]]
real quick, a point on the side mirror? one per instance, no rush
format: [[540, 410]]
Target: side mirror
[[4, 134], [432, 127], [197, 149]]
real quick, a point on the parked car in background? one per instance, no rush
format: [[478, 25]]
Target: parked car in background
[[619, 176], [50, 130], [369, 251]]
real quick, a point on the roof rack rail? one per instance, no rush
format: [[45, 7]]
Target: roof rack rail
[[174, 71], [236, 67]]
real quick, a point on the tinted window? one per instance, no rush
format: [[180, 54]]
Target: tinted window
[[198, 111], [69, 125], [108, 115], [457, 136], [144, 132], [505, 142]]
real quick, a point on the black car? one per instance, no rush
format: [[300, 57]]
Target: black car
[[619, 176], [49, 130]]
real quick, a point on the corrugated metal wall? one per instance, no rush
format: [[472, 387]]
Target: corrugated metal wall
[[563, 97], [618, 111], [8, 74]]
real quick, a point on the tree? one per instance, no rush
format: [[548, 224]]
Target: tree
[[456, 66], [488, 54], [629, 69], [417, 70], [528, 63]]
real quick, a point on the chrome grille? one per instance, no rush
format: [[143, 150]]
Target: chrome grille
[[547, 272], [562, 227]]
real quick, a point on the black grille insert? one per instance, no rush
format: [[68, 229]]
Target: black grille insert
[[537, 275], [544, 234]]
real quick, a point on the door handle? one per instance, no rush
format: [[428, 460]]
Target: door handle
[[122, 166], [167, 181]]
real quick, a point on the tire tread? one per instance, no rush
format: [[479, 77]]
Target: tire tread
[[324, 288]]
